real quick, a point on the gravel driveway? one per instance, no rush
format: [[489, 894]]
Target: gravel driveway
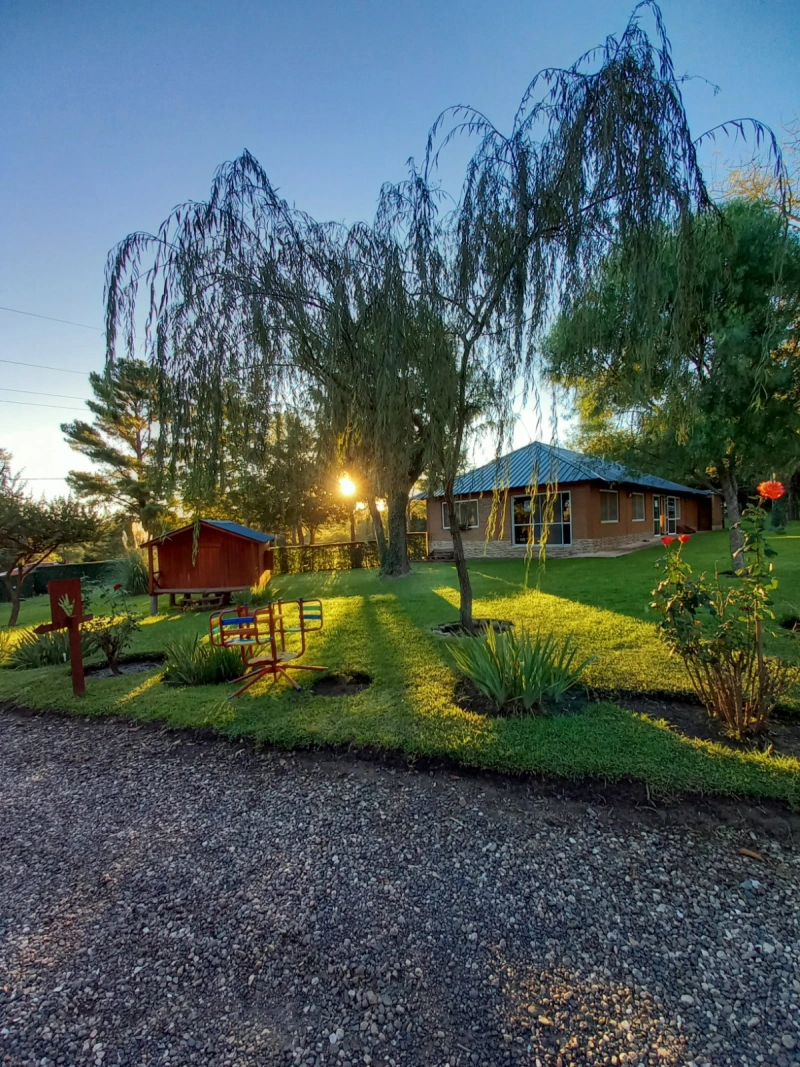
[[165, 900]]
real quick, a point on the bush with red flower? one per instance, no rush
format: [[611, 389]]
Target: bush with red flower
[[717, 627]]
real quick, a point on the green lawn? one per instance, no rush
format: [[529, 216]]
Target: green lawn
[[384, 629]]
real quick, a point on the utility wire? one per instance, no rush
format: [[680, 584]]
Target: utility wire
[[66, 322], [31, 404], [41, 366], [35, 392]]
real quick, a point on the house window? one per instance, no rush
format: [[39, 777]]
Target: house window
[[609, 506], [637, 507], [467, 512], [532, 519]]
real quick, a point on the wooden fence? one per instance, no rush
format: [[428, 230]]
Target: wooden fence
[[339, 555]]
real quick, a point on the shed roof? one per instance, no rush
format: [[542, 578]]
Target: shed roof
[[221, 524], [547, 463]]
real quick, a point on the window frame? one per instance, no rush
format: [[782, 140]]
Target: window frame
[[615, 494], [468, 500], [644, 508], [529, 525]]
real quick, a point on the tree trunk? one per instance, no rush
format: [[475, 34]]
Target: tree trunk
[[377, 526], [464, 584], [730, 491], [353, 523], [14, 593], [395, 562]]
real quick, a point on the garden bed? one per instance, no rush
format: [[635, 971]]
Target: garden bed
[[127, 665], [692, 720]]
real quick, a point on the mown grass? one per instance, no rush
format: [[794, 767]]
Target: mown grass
[[384, 630]]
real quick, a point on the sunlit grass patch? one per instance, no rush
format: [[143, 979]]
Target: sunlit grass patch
[[385, 630]]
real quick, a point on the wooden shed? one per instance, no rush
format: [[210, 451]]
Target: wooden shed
[[225, 557]]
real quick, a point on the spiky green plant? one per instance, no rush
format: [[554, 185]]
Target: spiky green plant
[[192, 661], [45, 650], [131, 572], [520, 672]]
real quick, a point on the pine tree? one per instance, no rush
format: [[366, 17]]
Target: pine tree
[[121, 443]]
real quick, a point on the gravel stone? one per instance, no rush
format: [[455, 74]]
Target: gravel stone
[[172, 900]]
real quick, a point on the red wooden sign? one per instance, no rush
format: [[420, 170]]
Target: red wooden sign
[[67, 591]]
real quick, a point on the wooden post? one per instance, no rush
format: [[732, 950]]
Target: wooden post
[[76, 658], [69, 589]]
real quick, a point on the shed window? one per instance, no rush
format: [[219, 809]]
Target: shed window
[[609, 506], [467, 512], [637, 507]]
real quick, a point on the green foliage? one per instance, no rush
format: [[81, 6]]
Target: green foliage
[[717, 628], [520, 672], [114, 623], [131, 572], [192, 661], [121, 442], [32, 530], [45, 650], [697, 386], [257, 596]]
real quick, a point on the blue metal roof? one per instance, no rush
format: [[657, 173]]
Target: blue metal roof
[[543, 464], [242, 531]]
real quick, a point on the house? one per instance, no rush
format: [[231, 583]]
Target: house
[[210, 558], [596, 506]]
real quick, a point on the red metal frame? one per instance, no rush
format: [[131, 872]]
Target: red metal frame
[[265, 637]]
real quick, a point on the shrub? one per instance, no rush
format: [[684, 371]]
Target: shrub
[[190, 661], [255, 597], [131, 572], [718, 629], [517, 671], [113, 625], [45, 650]]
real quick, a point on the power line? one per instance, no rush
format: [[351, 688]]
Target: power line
[[31, 404], [35, 392], [54, 478], [66, 322], [41, 366]]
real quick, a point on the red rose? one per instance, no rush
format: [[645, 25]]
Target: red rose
[[117, 587], [667, 540], [770, 490], [683, 538]]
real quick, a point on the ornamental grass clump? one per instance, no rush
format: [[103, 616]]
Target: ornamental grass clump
[[45, 650], [717, 628], [520, 673], [192, 661]]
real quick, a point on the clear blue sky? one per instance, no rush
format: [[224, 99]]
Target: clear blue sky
[[114, 112]]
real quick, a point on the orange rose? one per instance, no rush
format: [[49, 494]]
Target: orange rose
[[770, 490]]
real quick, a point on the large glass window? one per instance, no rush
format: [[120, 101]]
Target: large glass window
[[637, 507], [467, 512], [529, 514], [609, 506]]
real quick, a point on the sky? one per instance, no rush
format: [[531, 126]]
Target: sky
[[112, 113]]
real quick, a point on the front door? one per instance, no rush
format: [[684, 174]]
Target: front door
[[657, 513], [672, 516]]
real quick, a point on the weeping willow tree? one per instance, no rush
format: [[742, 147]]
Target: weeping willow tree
[[250, 303], [599, 156]]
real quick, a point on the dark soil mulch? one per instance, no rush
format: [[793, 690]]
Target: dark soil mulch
[[470, 698], [692, 720], [341, 685], [455, 629], [127, 665]]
